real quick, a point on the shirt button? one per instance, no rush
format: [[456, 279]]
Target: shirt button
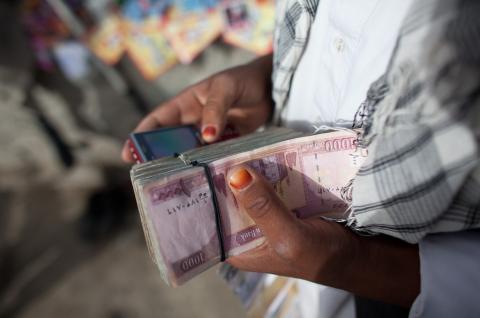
[[339, 44]]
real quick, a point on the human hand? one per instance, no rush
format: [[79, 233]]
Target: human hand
[[325, 252], [240, 96], [293, 247]]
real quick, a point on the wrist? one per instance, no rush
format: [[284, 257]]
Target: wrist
[[340, 250], [378, 267]]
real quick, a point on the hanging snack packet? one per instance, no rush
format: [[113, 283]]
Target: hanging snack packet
[[191, 33], [249, 25], [149, 50], [107, 42]]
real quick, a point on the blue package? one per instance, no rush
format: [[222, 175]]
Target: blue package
[[138, 10]]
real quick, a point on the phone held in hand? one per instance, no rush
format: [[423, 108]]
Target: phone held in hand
[[164, 142]]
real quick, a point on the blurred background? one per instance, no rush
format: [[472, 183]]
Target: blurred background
[[75, 78]]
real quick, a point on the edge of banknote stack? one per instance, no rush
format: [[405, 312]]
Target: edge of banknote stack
[[163, 171], [145, 172]]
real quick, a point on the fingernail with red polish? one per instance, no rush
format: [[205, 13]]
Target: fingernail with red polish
[[240, 179], [209, 133]]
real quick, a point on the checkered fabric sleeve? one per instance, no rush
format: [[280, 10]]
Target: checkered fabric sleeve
[[421, 128]]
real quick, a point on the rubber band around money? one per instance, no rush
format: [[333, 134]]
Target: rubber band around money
[[216, 206]]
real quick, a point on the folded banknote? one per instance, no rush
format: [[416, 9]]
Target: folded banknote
[[310, 173]]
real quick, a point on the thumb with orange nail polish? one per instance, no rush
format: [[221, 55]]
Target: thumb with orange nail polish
[[240, 178], [258, 199]]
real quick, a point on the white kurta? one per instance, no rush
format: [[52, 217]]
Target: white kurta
[[349, 47]]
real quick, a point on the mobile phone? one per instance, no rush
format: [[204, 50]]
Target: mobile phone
[[164, 142]]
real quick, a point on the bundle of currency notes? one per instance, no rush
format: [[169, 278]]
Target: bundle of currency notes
[[310, 173]]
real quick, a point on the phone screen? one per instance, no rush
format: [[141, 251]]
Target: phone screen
[[166, 142]]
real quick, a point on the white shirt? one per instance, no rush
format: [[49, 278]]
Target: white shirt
[[349, 47]]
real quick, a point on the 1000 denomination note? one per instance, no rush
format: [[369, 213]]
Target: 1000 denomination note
[[310, 174]]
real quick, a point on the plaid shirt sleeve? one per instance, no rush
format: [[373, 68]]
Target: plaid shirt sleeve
[[292, 27], [421, 127]]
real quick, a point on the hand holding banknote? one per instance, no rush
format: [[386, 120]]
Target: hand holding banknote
[[265, 230], [321, 251], [294, 247]]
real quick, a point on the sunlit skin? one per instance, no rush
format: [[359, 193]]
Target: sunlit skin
[[325, 252]]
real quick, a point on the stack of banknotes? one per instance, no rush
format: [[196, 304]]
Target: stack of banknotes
[[310, 173]]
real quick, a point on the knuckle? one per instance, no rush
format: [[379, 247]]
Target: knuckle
[[259, 206], [224, 82], [289, 248], [223, 78], [212, 115], [212, 107]]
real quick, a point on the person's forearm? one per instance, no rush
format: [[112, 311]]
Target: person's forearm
[[325, 252], [376, 267]]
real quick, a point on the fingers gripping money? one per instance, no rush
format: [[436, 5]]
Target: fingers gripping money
[[302, 175]]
